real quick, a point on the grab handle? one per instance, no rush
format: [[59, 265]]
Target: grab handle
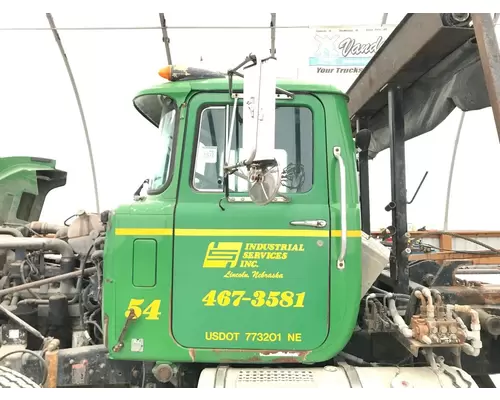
[[343, 209]]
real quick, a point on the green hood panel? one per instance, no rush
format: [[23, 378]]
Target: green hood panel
[[24, 185]]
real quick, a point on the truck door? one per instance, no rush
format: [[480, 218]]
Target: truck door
[[247, 276]]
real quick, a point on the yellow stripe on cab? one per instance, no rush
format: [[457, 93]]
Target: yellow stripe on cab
[[234, 232]]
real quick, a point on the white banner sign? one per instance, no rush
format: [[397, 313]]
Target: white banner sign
[[345, 49]]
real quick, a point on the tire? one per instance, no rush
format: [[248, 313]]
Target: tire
[[484, 381], [13, 379]]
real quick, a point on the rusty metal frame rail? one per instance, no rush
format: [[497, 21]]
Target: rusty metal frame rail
[[489, 52], [417, 44]]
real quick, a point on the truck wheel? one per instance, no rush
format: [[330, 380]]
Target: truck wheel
[[13, 379], [484, 381]]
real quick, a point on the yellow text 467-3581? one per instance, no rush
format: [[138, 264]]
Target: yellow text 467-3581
[[259, 298]]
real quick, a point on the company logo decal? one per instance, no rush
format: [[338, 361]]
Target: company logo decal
[[222, 255]]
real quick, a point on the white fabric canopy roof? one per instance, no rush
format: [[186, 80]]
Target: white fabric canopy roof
[[40, 115]]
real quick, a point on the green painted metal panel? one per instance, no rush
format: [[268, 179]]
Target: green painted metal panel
[[145, 263], [183, 88], [281, 302], [173, 319], [24, 184]]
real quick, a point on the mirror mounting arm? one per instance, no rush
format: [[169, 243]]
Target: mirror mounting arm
[[253, 59], [234, 71]]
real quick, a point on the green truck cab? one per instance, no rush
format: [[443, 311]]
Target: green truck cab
[[244, 265], [24, 185], [196, 271]]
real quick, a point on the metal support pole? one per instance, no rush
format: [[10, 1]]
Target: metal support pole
[[364, 191], [364, 176], [364, 187], [452, 168], [273, 34], [489, 52], [166, 39], [399, 257], [80, 107]]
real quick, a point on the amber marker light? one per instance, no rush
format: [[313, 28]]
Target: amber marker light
[[166, 72]]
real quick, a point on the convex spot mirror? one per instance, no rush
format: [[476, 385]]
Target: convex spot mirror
[[363, 139]]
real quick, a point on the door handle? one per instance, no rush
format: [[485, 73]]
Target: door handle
[[343, 209], [315, 223]]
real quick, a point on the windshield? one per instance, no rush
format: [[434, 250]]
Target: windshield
[[163, 147]]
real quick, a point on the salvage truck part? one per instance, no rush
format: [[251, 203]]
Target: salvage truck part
[[244, 263], [13, 379]]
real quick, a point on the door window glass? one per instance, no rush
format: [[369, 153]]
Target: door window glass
[[293, 149]]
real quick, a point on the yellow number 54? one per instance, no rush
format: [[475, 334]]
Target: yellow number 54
[[152, 311]]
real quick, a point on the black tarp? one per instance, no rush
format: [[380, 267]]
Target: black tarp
[[457, 81]]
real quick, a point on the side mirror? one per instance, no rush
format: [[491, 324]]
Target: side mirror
[[363, 139], [259, 114], [259, 105]]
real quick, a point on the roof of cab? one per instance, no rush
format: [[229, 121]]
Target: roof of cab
[[222, 84]]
